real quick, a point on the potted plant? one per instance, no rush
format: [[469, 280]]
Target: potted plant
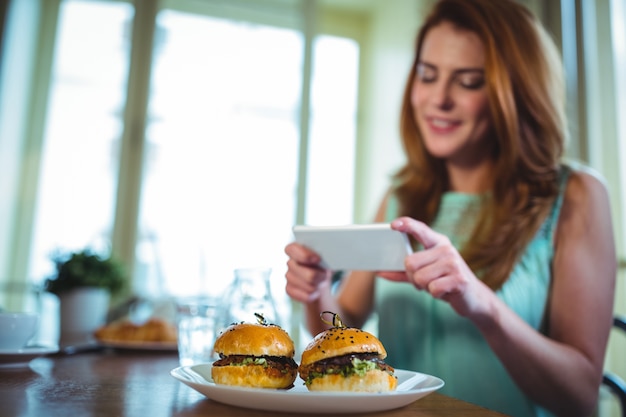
[[84, 282]]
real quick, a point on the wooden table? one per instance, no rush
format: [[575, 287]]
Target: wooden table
[[124, 383]]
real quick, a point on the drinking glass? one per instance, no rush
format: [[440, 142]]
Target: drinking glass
[[197, 330]]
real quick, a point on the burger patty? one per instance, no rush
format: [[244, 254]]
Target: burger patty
[[338, 364], [280, 364]]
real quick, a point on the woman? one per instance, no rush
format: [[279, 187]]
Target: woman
[[509, 297]]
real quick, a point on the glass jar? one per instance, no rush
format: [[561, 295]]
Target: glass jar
[[248, 296]]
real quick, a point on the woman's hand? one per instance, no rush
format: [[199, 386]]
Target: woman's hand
[[306, 279], [440, 270]]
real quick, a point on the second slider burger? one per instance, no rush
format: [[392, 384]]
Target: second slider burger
[[346, 359], [256, 355]]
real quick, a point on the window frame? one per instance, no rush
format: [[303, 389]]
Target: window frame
[[297, 14]]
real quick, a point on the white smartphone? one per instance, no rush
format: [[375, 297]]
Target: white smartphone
[[364, 247]]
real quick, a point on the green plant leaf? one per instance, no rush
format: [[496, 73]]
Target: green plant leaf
[[86, 269]]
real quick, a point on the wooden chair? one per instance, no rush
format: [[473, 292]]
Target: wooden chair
[[614, 382]]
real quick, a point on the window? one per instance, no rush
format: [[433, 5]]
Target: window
[[80, 155], [331, 161], [219, 177], [221, 163]]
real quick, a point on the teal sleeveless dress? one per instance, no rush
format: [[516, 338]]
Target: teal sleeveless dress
[[426, 335]]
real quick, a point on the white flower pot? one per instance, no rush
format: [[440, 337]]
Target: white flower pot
[[83, 310]]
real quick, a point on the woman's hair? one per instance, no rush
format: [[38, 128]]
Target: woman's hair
[[525, 88]]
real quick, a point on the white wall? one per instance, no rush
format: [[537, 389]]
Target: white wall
[[15, 82], [387, 59]]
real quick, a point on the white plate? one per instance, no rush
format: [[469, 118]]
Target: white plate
[[21, 357], [411, 387], [138, 345]]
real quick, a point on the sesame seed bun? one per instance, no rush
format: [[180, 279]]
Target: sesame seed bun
[[346, 359], [254, 340], [255, 355], [339, 341]]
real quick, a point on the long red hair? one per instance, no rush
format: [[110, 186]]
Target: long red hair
[[525, 87]]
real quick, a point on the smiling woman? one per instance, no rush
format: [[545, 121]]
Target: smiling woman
[[445, 81], [108, 158], [500, 220]]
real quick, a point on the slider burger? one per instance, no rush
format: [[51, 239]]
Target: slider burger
[[256, 355], [346, 359]]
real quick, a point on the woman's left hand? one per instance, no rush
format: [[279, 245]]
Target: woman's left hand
[[439, 269]]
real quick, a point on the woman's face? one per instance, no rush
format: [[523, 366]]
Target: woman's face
[[449, 96]]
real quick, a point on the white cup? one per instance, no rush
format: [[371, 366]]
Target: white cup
[[196, 320], [16, 329]]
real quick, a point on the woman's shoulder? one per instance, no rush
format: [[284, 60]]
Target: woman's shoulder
[[585, 201], [583, 182]]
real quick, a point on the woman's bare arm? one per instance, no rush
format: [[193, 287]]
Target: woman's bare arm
[[563, 369]]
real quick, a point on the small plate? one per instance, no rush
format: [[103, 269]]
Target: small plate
[[139, 345], [21, 357], [411, 387]]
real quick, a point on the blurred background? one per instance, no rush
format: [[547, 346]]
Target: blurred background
[[186, 137]]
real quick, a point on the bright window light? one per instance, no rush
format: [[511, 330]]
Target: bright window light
[[220, 176]]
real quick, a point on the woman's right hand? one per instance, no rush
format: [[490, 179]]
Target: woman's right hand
[[306, 279]]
